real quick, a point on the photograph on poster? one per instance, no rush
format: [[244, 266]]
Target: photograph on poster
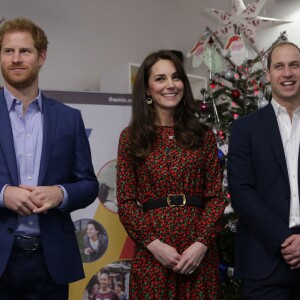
[[107, 185], [111, 281], [92, 239]]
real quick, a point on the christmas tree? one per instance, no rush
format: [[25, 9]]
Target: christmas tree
[[237, 86]]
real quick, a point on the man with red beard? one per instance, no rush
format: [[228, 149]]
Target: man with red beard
[[46, 172], [264, 176]]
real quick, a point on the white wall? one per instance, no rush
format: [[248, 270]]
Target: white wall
[[89, 37], [288, 10]]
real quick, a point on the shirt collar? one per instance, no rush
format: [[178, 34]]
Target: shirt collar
[[279, 108], [9, 97]]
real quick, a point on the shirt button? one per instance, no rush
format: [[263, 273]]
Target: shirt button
[[29, 177]]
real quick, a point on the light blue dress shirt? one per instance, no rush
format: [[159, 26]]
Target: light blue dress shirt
[[27, 131]]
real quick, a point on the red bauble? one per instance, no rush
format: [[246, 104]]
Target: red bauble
[[235, 94], [204, 107]]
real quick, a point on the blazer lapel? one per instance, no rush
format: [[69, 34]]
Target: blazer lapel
[[270, 125], [50, 119], [7, 141]]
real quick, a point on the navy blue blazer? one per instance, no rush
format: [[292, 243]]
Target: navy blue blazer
[[260, 193], [66, 160]]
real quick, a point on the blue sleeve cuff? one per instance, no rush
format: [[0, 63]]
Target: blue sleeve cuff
[[64, 203], [2, 195]]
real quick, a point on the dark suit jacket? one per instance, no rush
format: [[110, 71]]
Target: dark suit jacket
[[66, 160], [260, 192]]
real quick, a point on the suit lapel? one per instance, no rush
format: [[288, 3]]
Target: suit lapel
[[270, 125], [50, 120], [7, 141]]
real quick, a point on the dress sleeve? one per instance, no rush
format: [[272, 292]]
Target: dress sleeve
[[130, 212], [210, 223]]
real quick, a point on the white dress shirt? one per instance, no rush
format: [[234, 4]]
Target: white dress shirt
[[290, 136]]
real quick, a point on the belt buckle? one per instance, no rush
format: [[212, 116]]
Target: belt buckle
[[169, 200], [36, 244]]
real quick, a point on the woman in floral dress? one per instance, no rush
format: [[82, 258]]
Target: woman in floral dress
[[165, 151]]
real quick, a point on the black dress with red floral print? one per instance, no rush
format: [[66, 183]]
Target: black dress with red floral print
[[170, 169]]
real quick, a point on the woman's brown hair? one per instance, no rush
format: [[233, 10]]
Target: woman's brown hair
[[188, 130]]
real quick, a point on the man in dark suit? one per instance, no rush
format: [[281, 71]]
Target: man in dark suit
[[45, 173], [263, 173]]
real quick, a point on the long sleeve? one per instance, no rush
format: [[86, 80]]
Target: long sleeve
[[130, 212], [210, 223]]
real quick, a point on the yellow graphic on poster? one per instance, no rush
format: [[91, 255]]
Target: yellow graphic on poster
[[104, 245]]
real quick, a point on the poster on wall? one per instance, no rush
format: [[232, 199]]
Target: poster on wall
[[104, 245]]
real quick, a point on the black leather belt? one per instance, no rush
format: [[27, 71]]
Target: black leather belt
[[27, 243], [173, 200]]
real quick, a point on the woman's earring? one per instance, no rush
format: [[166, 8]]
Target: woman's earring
[[149, 100]]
